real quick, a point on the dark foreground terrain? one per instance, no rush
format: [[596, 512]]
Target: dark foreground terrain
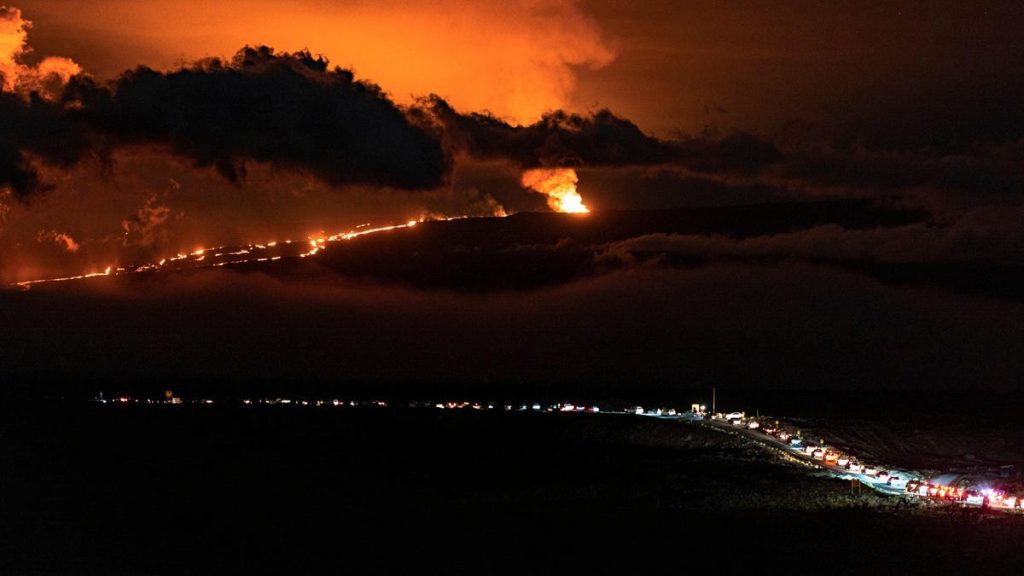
[[89, 489]]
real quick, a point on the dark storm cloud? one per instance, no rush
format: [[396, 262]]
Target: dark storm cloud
[[748, 168], [293, 111], [38, 128], [601, 139], [289, 109]]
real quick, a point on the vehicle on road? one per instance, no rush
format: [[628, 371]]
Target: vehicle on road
[[975, 498], [898, 481]]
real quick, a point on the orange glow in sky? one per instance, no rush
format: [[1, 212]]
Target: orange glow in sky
[[514, 58]]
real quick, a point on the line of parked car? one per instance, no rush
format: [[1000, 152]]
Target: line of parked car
[[986, 497], [820, 452], [965, 493]]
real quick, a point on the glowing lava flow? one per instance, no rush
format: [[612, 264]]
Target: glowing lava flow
[[110, 270], [227, 255], [318, 243], [559, 185]]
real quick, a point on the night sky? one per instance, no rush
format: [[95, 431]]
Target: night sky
[[782, 194]]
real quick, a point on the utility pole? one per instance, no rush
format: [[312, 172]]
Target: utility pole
[[713, 411]]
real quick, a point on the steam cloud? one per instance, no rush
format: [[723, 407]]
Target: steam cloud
[[559, 185], [62, 240], [45, 78], [146, 228]]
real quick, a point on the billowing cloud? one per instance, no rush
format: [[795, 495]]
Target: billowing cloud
[[13, 34], [43, 130], [146, 228], [288, 110], [62, 240], [32, 124], [561, 138], [46, 78], [291, 110], [921, 242]]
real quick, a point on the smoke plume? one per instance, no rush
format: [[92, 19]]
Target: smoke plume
[[559, 185]]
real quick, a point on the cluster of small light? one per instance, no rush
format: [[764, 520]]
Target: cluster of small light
[[982, 496], [339, 403], [878, 477], [799, 453], [819, 452], [446, 405], [125, 400]]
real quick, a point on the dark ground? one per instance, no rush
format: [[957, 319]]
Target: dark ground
[[88, 489]]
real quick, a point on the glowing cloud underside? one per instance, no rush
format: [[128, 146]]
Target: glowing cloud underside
[[559, 185]]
